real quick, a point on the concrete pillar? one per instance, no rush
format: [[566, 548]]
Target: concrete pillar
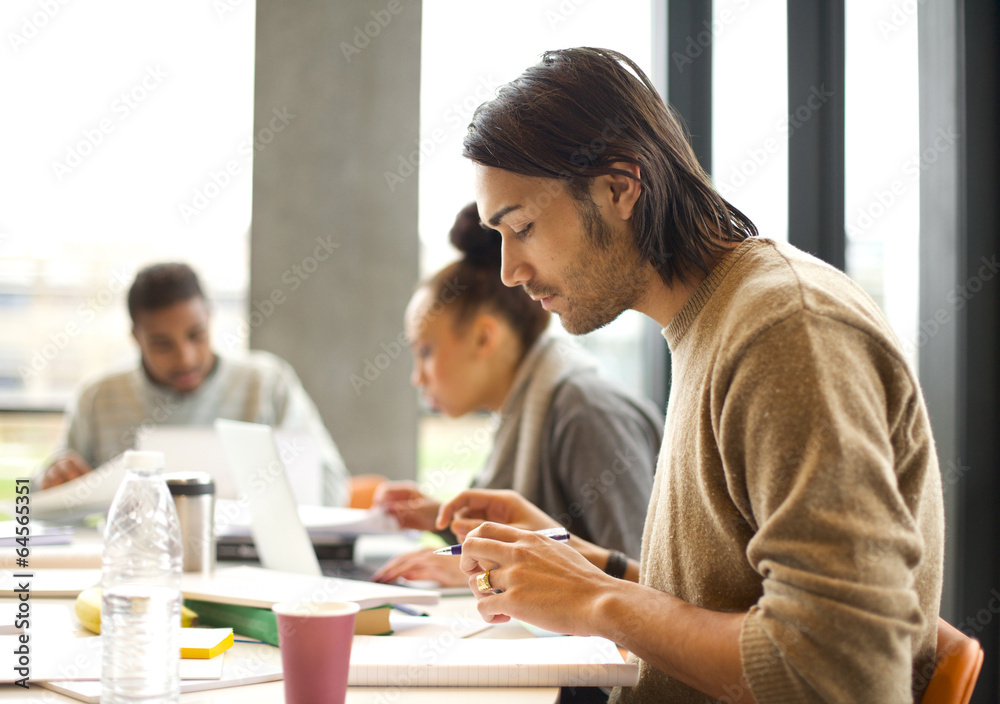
[[333, 252]]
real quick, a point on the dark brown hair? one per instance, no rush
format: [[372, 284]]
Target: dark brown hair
[[162, 285], [474, 281], [579, 111]]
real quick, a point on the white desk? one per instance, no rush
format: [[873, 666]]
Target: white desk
[[271, 692]]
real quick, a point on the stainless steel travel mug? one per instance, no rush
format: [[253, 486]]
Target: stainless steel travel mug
[[194, 496]]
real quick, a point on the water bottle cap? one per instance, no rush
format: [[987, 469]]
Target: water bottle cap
[[143, 460]]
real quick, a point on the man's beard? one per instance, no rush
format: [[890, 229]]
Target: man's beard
[[605, 281]]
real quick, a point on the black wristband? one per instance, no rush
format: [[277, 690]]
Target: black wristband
[[617, 564]]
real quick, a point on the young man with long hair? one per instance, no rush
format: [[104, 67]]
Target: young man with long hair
[[793, 547]]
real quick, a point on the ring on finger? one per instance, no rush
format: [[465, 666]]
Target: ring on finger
[[483, 582]]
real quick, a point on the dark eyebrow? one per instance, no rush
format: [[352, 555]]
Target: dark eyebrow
[[499, 215]]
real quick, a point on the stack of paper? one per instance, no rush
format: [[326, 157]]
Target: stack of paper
[[89, 493], [256, 586], [244, 663], [232, 520], [528, 662], [52, 583], [40, 533]]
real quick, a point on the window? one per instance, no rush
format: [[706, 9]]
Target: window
[[750, 116], [461, 67], [134, 152], [882, 166]]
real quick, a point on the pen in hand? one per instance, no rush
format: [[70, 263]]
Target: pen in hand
[[559, 533]]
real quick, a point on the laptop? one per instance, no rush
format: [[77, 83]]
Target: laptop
[[199, 449], [259, 475]]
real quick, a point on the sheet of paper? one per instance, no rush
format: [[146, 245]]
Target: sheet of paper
[[51, 583], [55, 657], [76, 556], [89, 493], [8, 613], [244, 663], [255, 586], [52, 656], [40, 533], [232, 518], [528, 662], [433, 626]]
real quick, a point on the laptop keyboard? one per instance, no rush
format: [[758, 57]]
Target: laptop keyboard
[[347, 569]]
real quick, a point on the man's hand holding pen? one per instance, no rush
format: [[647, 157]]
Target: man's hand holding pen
[[532, 578], [474, 506]]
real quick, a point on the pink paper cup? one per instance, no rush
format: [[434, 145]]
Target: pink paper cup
[[315, 640]]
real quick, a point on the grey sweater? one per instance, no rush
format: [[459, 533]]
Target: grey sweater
[[106, 415], [593, 448]]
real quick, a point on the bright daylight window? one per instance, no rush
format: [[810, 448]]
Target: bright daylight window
[[130, 143], [750, 117], [882, 181], [461, 67], [752, 123]]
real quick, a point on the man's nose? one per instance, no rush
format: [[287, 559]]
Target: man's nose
[[514, 270], [188, 355]]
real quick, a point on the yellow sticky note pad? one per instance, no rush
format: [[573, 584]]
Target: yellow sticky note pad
[[205, 643]]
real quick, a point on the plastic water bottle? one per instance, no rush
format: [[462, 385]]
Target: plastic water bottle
[[140, 613]]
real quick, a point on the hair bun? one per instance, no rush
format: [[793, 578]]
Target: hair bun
[[478, 244]]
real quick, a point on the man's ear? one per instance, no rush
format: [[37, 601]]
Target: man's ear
[[624, 190]]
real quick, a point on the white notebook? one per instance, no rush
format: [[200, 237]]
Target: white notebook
[[571, 661], [244, 663], [256, 586]]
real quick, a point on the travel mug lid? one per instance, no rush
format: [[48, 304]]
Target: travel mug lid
[[190, 483]]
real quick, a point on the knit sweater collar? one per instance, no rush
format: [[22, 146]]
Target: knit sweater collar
[[154, 390], [676, 329]]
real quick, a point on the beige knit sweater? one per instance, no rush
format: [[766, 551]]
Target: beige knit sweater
[[797, 481]]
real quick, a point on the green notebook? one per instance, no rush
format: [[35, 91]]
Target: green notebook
[[262, 624]]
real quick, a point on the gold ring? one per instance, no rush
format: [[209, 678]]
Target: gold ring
[[483, 582]]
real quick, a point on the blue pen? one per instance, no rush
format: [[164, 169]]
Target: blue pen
[[559, 533], [409, 610]]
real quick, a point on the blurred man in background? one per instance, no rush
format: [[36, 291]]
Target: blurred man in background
[[181, 381]]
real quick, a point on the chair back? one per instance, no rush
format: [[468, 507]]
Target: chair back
[[959, 659], [363, 489]]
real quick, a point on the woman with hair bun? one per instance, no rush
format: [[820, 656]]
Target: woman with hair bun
[[576, 446]]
